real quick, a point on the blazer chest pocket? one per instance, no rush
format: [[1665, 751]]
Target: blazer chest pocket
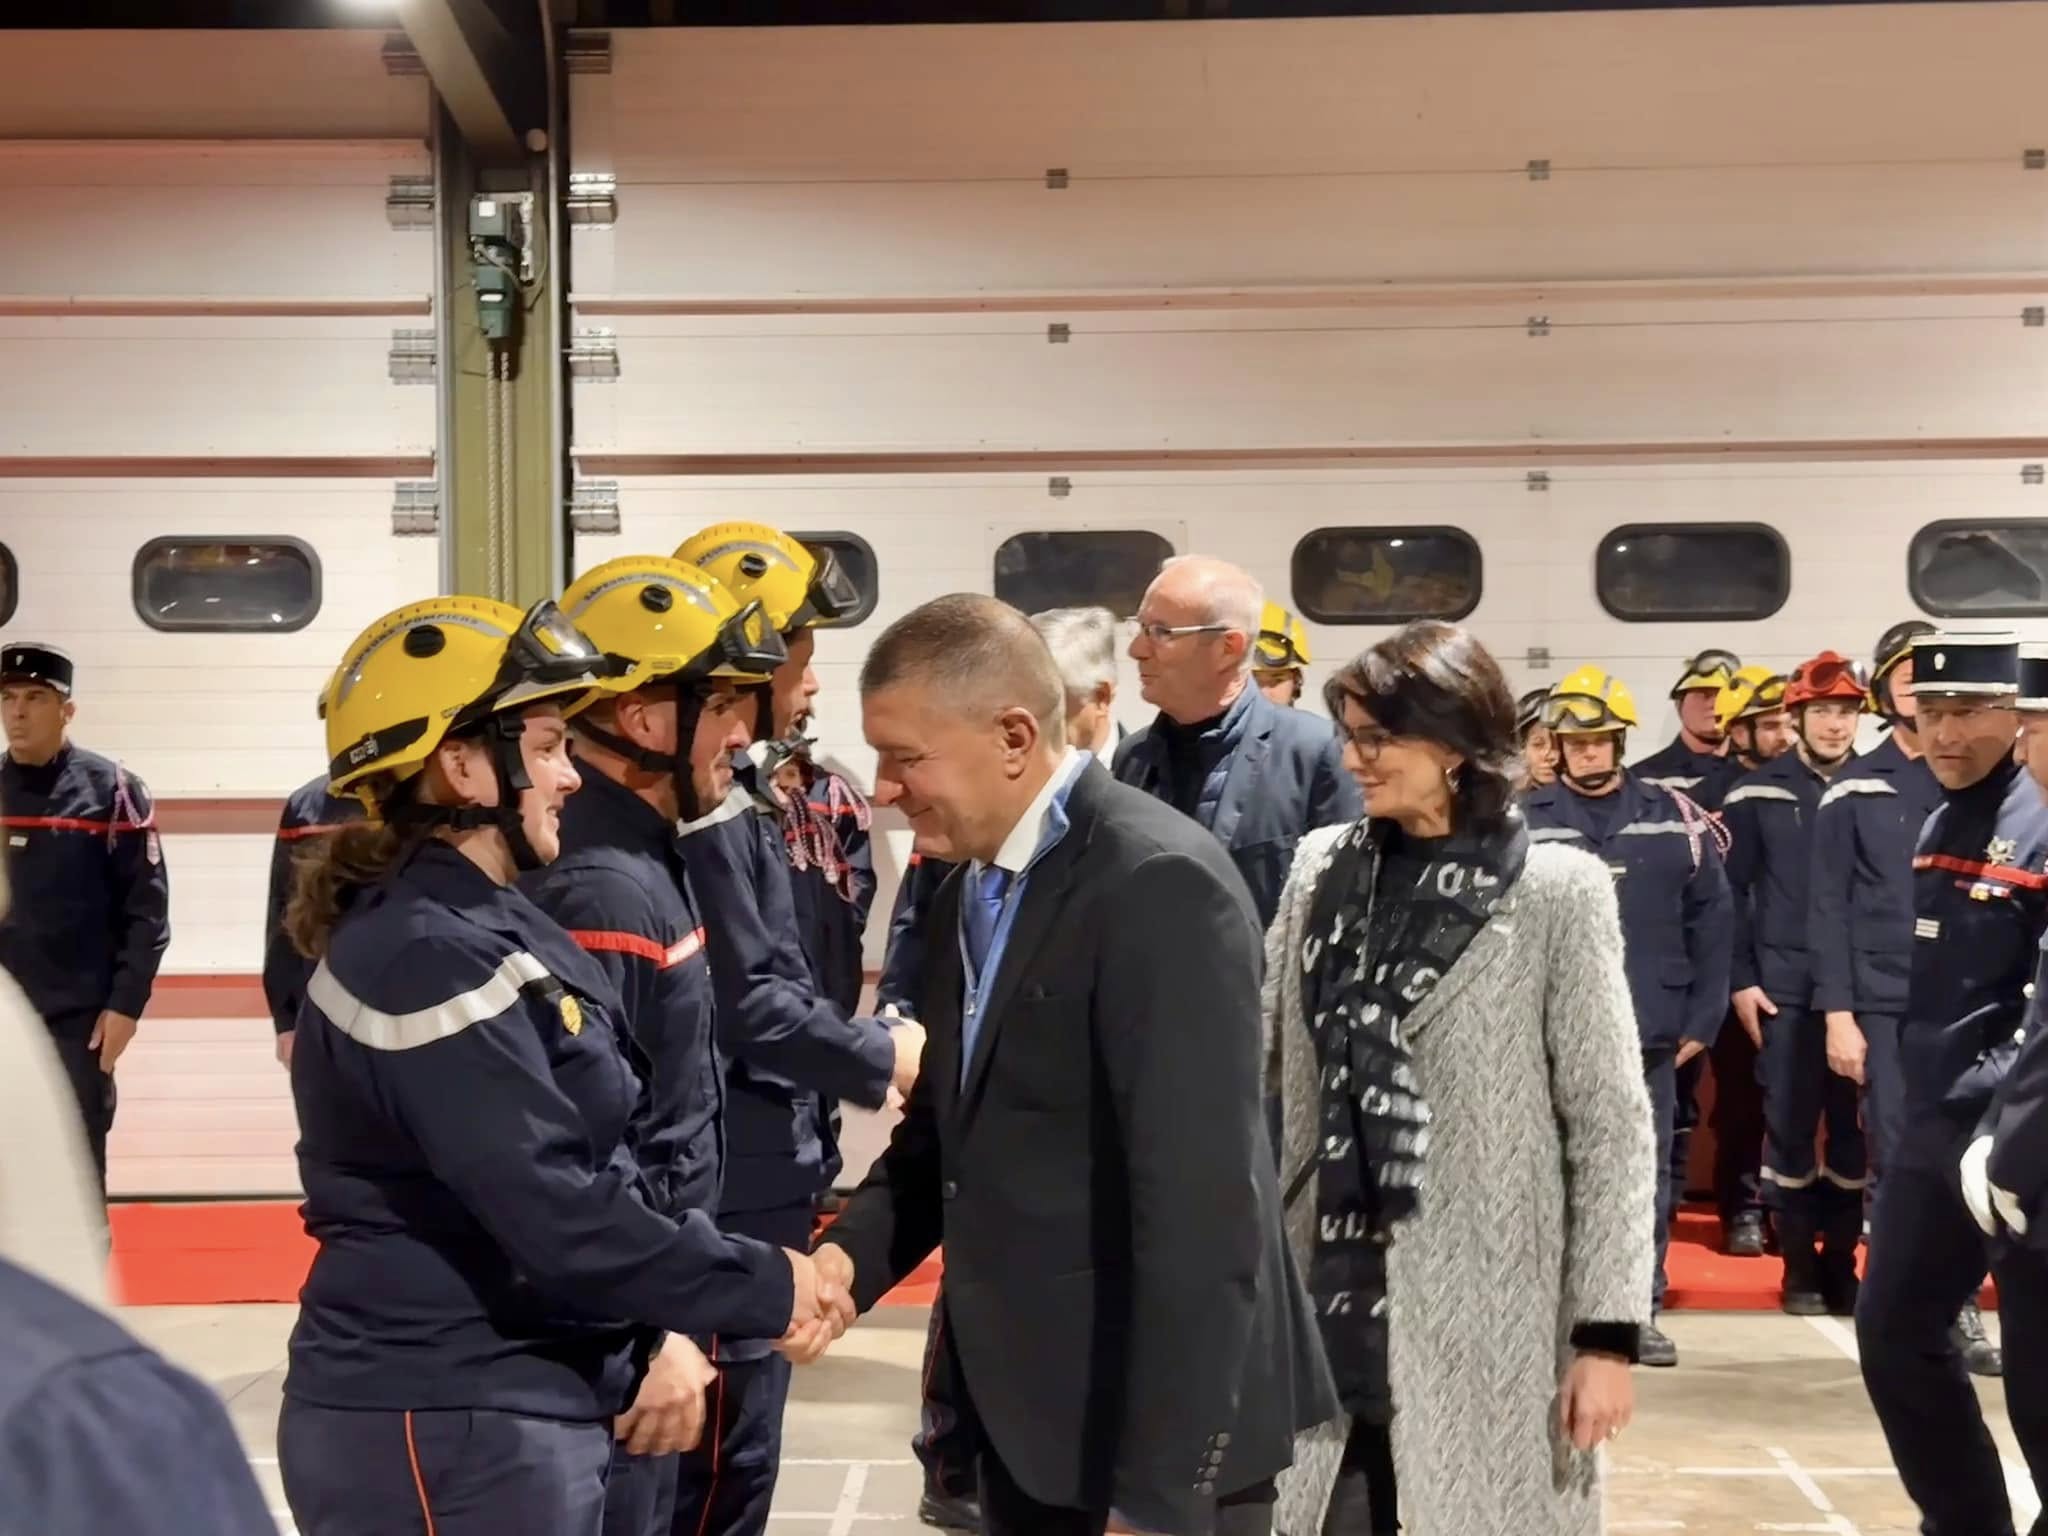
[[1044, 1056]]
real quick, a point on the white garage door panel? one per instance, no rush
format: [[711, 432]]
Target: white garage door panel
[[109, 388], [205, 1109], [1217, 383], [221, 222], [935, 240], [1915, 83], [202, 84], [203, 714], [218, 885]]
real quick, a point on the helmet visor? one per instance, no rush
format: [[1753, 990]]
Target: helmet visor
[[550, 656], [834, 596], [1580, 713], [747, 647], [1709, 669]]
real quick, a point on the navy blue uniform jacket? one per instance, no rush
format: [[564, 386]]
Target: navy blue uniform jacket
[[1697, 775], [2017, 1121], [100, 1434], [784, 1043], [309, 815], [1770, 817], [1980, 899], [1677, 917], [1284, 777], [903, 961], [91, 915], [464, 1094], [1859, 933], [618, 887]]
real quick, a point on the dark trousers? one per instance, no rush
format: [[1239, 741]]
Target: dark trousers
[[640, 1496], [93, 1089], [1801, 1096], [1884, 1089], [2022, 1275], [454, 1471], [1685, 1119], [944, 1445], [1660, 1076], [1363, 1503], [1926, 1259], [724, 1486], [1738, 1122]]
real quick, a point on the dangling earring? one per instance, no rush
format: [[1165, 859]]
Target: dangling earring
[[1451, 780]]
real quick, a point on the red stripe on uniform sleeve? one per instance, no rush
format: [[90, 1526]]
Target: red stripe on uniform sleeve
[[56, 824], [2004, 874], [653, 951]]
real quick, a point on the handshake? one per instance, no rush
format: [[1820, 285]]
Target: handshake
[[824, 1303]]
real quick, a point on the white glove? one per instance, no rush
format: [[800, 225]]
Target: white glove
[[2008, 1206], [1977, 1194]]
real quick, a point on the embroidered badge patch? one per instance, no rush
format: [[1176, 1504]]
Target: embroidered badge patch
[[572, 1015]]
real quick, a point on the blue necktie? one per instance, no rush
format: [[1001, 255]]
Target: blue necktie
[[984, 907]]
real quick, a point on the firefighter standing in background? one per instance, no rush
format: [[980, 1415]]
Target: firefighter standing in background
[[2004, 1173], [1281, 658], [790, 1049], [650, 755], [91, 915], [309, 815], [1676, 915], [1861, 923], [1539, 744], [1751, 712], [1980, 900], [1771, 815], [1692, 764], [1696, 752]]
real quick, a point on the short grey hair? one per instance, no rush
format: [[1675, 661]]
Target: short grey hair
[[1232, 597], [972, 653], [1083, 646]]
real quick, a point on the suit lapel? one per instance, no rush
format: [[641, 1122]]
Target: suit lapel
[[1045, 894], [1241, 779]]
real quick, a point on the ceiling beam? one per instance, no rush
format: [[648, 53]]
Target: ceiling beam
[[488, 62]]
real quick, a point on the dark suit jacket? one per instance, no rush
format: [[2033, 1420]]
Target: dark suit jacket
[[1286, 778], [1130, 1329]]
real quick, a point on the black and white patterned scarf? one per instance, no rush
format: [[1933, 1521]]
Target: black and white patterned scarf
[[1374, 952]]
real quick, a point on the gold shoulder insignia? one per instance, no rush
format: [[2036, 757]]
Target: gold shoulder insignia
[[572, 1015]]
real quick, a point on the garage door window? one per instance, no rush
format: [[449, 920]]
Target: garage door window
[[10, 583], [1108, 568], [1386, 575], [856, 558], [1651, 573], [227, 584], [1987, 570]]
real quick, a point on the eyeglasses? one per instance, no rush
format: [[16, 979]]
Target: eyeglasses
[[1159, 634], [1370, 741]]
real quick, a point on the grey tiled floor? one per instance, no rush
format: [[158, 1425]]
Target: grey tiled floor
[[1763, 1427]]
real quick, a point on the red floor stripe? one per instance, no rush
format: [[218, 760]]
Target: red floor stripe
[[221, 1252]]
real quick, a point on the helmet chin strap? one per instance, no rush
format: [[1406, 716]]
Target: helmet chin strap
[[501, 734], [1592, 783], [1813, 754], [676, 764]]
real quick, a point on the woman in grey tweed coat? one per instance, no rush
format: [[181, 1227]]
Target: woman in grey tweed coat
[[1476, 1117]]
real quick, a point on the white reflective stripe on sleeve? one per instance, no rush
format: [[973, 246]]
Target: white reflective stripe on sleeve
[[382, 1031], [736, 803], [1759, 792], [1674, 783], [1552, 834], [1637, 828], [1856, 787]]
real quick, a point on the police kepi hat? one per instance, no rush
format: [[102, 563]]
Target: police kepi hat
[[1981, 664], [2034, 677], [37, 664]]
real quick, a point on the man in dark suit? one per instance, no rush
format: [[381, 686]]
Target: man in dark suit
[[1256, 774], [1086, 1138]]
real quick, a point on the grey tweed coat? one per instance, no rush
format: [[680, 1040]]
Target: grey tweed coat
[[1536, 1206]]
